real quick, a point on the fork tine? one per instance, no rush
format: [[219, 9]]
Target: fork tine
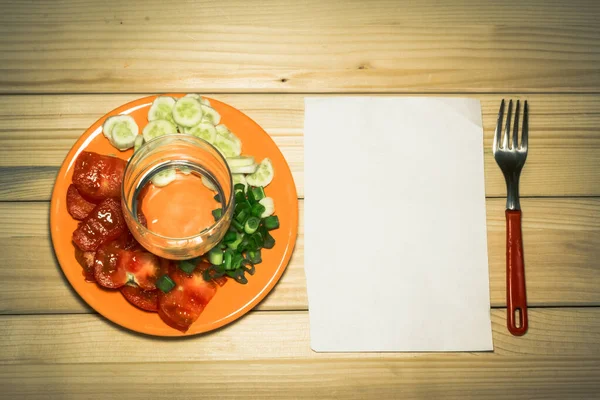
[[498, 127], [525, 135], [507, 126], [515, 136]]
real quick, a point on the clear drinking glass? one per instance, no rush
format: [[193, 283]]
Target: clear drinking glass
[[180, 219]]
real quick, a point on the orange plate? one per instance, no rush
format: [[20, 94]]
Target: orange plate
[[232, 300]]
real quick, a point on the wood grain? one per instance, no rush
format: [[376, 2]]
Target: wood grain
[[562, 258], [564, 158], [67, 339], [430, 377], [313, 46]]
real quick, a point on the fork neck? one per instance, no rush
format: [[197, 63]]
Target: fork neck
[[512, 192]]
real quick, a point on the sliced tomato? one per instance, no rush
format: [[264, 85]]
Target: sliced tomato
[[107, 270], [104, 224], [144, 267], [202, 266], [144, 299], [182, 306], [97, 176], [78, 207], [86, 260]]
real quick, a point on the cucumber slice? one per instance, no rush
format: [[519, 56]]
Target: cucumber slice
[[139, 141], [162, 109], [187, 112], [204, 130], [110, 122], [208, 183], [263, 175], [210, 115], [225, 132], [269, 206], [242, 161], [158, 128], [163, 178], [239, 178], [201, 99], [248, 169], [228, 147], [123, 133], [185, 170]]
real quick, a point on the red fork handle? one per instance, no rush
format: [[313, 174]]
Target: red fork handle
[[516, 297]]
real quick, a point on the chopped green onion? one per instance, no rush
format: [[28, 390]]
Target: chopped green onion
[[237, 225], [243, 246], [215, 256], [258, 193], [251, 225], [268, 241], [236, 261], [187, 267], [271, 222], [228, 255], [250, 270], [241, 216], [230, 236], [254, 257], [236, 243], [240, 197], [217, 197], [239, 206], [258, 209], [213, 272], [239, 187], [165, 284], [257, 239], [238, 275], [217, 213]]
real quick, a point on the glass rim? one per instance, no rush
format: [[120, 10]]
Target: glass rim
[[185, 137]]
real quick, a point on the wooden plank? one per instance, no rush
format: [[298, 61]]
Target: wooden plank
[[284, 335], [564, 160], [562, 257], [418, 378], [312, 46]]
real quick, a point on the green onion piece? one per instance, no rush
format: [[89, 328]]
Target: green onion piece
[[213, 272], [215, 256], [239, 187], [258, 209], [251, 199], [217, 213], [250, 270], [243, 246], [228, 255], [235, 244], [251, 225], [237, 225], [237, 260], [268, 241], [187, 267], [257, 239], [258, 193], [165, 284], [239, 206], [238, 275], [217, 197], [240, 197], [241, 216], [271, 222], [254, 257], [229, 237]]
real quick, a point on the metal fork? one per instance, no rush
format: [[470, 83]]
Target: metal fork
[[511, 156]]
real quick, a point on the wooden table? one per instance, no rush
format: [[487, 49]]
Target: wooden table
[[64, 64]]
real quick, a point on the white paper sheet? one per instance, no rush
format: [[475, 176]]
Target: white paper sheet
[[395, 224]]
